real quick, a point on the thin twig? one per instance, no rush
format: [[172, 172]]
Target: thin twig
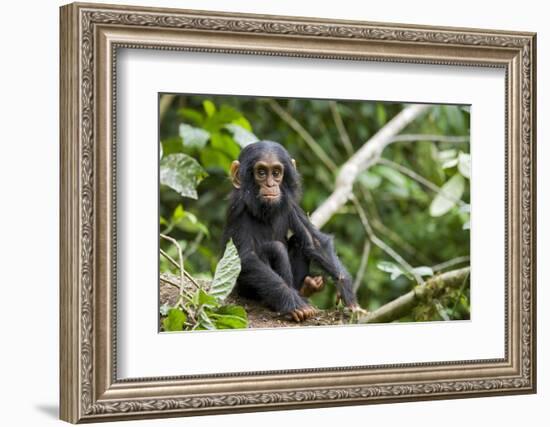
[[431, 138], [193, 246], [379, 226], [382, 245], [186, 293], [344, 136], [304, 134], [451, 263], [419, 178], [180, 265], [362, 266], [180, 256]]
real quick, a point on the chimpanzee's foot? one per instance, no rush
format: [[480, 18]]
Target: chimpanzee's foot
[[303, 313], [311, 285], [356, 308]]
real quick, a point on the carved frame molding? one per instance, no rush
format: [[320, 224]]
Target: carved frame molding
[[90, 37]]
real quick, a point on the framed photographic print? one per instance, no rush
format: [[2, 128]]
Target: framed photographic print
[[265, 212]]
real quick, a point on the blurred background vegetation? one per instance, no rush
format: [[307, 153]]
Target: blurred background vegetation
[[416, 197]]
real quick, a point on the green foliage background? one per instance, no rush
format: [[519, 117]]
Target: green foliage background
[[403, 212]]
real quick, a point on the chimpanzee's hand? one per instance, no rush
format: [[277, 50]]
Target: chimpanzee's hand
[[311, 285]]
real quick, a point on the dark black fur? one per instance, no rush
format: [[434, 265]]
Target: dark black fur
[[274, 266]]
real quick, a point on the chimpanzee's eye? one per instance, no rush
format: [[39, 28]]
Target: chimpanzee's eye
[[261, 172], [276, 173]]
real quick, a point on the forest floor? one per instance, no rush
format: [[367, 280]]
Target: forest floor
[[258, 315]]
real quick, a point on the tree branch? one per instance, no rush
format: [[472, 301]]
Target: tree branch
[[403, 305], [367, 155]]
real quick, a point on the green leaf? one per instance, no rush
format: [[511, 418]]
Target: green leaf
[[230, 317], [464, 164], [215, 159], [396, 270], [448, 196], [226, 144], [369, 179], [451, 163], [209, 107], [445, 155], [226, 273], [182, 173], [201, 298], [241, 135], [392, 175], [228, 114], [381, 116], [175, 320], [193, 137], [205, 322], [191, 115], [243, 122], [392, 268], [171, 145], [455, 117], [187, 221], [423, 271]]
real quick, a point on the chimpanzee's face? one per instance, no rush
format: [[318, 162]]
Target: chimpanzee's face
[[268, 175]]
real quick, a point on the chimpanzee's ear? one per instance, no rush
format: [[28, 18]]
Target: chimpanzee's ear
[[293, 162], [235, 167]]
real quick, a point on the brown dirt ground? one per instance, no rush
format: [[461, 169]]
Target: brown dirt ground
[[258, 316]]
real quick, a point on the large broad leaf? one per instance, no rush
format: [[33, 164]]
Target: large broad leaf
[[182, 173], [448, 196], [193, 137], [230, 317], [241, 135], [226, 274], [175, 320]]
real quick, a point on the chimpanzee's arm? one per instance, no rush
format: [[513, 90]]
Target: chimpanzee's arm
[[319, 247]]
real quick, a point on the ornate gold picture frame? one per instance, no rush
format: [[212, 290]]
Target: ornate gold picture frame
[[91, 36]]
